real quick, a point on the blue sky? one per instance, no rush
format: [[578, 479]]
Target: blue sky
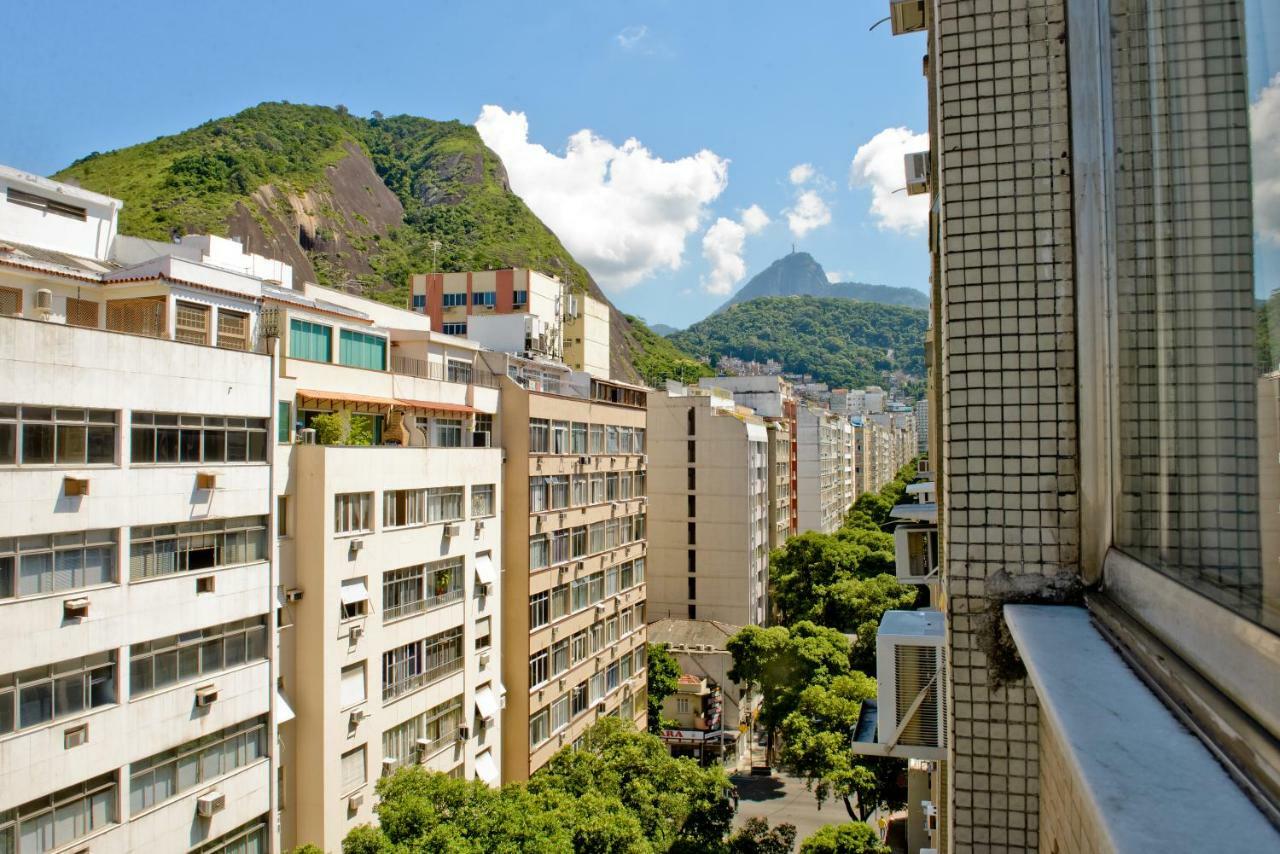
[[762, 86]]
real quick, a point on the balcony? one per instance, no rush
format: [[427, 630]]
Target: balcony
[[477, 374]]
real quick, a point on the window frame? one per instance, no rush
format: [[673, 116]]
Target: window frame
[[59, 423]]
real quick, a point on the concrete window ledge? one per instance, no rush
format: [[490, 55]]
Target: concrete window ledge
[[1118, 771]]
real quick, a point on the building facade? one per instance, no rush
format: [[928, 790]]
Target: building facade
[[575, 544], [821, 486], [709, 531]]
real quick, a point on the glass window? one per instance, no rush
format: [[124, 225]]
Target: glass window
[[539, 668], [57, 820], [444, 504], [455, 328], [354, 769], [539, 727], [353, 600], [578, 541], [519, 298], [353, 512], [537, 494], [539, 609], [362, 350], [482, 500], [437, 727], [578, 699], [158, 550], [560, 713], [581, 493], [403, 507], [191, 322], [539, 551], [413, 665], [446, 432], [310, 341], [43, 435], [597, 438], [539, 436], [458, 371], [233, 329], [284, 421], [559, 657], [560, 437], [42, 694], [559, 601], [353, 685], [486, 298], [56, 563], [453, 300], [167, 438], [166, 775], [578, 438]]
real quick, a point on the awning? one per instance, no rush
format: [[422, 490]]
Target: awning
[[344, 397], [486, 702], [284, 712], [353, 592], [485, 572], [486, 768], [437, 407]]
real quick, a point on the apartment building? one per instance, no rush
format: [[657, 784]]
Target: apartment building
[[821, 479], [710, 484], [388, 484], [518, 311], [1107, 568], [137, 687], [574, 541], [773, 399], [922, 425]]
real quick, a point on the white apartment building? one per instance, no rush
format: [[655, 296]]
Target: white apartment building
[[922, 425], [136, 583], [710, 487], [820, 466]]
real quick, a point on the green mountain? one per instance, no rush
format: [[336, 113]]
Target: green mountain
[[657, 359], [798, 274], [350, 202], [845, 343], [662, 329]]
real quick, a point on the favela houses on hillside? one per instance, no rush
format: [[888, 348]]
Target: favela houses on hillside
[[349, 503]]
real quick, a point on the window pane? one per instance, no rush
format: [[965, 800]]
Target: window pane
[[37, 443]]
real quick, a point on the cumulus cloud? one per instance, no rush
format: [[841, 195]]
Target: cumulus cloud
[[1264, 122], [631, 37], [722, 247], [878, 164], [623, 212], [810, 211], [801, 173]]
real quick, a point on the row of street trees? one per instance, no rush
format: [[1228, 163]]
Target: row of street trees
[[816, 666]]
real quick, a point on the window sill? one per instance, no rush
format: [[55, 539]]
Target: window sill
[[57, 594], [1137, 769]]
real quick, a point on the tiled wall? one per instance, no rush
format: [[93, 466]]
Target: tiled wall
[[1008, 324]]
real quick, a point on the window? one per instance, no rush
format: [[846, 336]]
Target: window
[[578, 699], [458, 371], [353, 599], [446, 432], [559, 601], [486, 298], [626, 436], [539, 609], [519, 298], [693, 560], [284, 421], [595, 537], [596, 636], [43, 435], [692, 451], [353, 512], [580, 647], [164, 776], [438, 727], [611, 439], [10, 301], [598, 493], [57, 820], [693, 533], [248, 838], [539, 727], [597, 438], [454, 300], [157, 664], [409, 667], [233, 329], [353, 685], [560, 437], [537, 494], [539, 551], [282, 515], [595, 583], [611, 630], [310, 341], [580, 490], [81, 312], [159, 550], [560, 713], [191, 322], [42, 694], [482, 500], [55, 563], [612, 677], [40, 203], [639, 569], [484, 634], [597, 687], [693, 505], [419, 302], [354, 769], [559, 657], [611, 581], [166, 438], [539, 663], [693, 612], [611, 486], [539, 436], [482, 427], [417, 588], [403, 507], [444, 504], [579, 593], [693, 588], [626, 575], [682, 706], [454, 328], [578, 541], [559, 484], [637, 441], [578, 438]]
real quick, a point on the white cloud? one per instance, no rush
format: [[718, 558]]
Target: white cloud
[[1264, 121], [833, 276], [722, 247], [631, 37], [879, 165], [809, 212], [623, 212], [801, 173]]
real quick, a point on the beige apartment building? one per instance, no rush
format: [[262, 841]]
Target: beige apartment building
[[709, 533], [586, 334], [574, 538], [1108, 630], [822, 482]]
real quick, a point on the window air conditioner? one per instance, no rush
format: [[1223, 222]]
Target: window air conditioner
[[916, 553], [917, 169], [422, 745], [484, 589], [357, 545], [307, 436], [206, 695], [210, 803], [452, 530], [75, 486], [358, 715], [464, 732], [906, 16], [355, 632], [206, 480], [930, 816], [600, 707], [480, 439], [484, 659], [389, 765], [911, 666], [75, 609], [293, 594], [583, 460], [355, 801]]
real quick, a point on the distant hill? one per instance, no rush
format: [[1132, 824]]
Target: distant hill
[[846, 343], [657, 359], [798, 274], [662, 329]]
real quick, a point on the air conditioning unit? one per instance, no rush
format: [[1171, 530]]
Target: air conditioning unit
[[206, 480], [355, 632], [600, 707], [916, 552], [930, 816], [44, 303], [423, 745], [917, 169], [906, 16], [452, 530], [583, 460], [464, 732], [75, 609], [357, 545], [75, 736], [389, 764], [206, 695], [358, 716], [599, 607], [484, 659], [210, 803], [293, 594], [355, 801], [484, 589], [73, 487], [911, 670], [307, 436]]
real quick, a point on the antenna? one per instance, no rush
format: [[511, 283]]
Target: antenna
[[435, 248]]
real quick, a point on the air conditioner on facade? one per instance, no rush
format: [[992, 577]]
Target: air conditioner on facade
[[422, 745], [206, 480], [464, 732], [916, 553], [389, 765], [484, 659], [906, 16], [911, 668], [452, 530], [44, 303], [293, 594], [930, 816], [583, 460], [355, 632], [307, 436], [206, 695], [75, 609], [484, 589], [73, 487], [355, 801], [358, 716], [357, 545], [600, 707], [917, 169], [210, 803]]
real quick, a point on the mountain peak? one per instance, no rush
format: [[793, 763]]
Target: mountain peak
[[799, 274]]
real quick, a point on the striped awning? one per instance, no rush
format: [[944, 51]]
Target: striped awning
[[436, 406], [346, 397]]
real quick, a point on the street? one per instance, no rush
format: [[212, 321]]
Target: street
[[780, 798]]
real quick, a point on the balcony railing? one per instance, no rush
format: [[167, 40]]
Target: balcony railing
[[418, 680], [467, 374], [395, 612]]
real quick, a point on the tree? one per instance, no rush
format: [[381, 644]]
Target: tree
[[804, 565], [851, 602], [852, 838], [782, 661], [756, 837], [664, 672]]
